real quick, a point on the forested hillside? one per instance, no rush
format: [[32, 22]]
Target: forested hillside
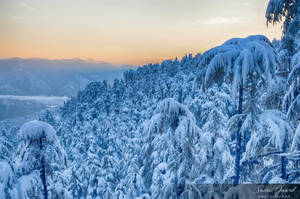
[[228, 116]]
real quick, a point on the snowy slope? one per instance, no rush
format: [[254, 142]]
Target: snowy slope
[[157, 133]]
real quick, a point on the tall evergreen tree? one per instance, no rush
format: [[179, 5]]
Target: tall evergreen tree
[[39, 150], [168, 150], [246, 63], [291, 102]]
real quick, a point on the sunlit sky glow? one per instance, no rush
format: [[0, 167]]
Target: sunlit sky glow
[[125, 31]]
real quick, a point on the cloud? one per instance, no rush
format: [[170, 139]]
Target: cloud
[[246, 4], [222, 21], [26, 6]]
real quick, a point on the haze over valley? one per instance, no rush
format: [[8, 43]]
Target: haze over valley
[[42, 83]]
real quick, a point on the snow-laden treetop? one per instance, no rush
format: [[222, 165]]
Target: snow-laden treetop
[[38, 139], [239, 58], [279, 10], [36, 129], [172, 108]]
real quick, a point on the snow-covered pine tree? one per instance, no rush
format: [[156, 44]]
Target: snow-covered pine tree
[[296, 140], [291, 102], [48, 117], [294, 156], [5, 149], [7, 174], [287, 11], [168, 150], [212, 110], [7, 181], [39, 154], [214, 155], [291, 105], [273, 132], [246, 63]]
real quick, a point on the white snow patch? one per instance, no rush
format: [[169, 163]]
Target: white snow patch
[[35, 129]]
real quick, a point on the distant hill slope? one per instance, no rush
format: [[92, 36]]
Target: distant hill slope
[[53, 77], [16, 108]]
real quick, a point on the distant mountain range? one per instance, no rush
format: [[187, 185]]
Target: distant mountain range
[[53, 77]]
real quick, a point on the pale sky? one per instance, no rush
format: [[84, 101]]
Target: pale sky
[[126, 31]]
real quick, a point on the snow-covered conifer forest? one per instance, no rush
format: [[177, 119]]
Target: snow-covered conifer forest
[[228, 116]]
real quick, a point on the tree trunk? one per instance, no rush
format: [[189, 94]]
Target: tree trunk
[[284, 161], [43, 171], [238, 138]]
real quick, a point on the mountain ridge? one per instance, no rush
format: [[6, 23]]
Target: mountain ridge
[[38, 76]]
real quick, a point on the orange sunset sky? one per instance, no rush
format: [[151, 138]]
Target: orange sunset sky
[[132, 32]]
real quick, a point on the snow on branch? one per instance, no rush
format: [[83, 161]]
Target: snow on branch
[[36, 129], [238, 58]]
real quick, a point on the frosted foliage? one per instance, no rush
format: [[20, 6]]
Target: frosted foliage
[[214, 158], [5, 148], [161, 178], [215, 122], [240, 58], [275, 10], [28, 185], [35, 130], [6, 180], [34, 135], [171, 133], [213, 154], [293, 78], [130, 187], [60, 192], [170, 111], [253, 144], [155, 134], [171, 108], [279, 10], [295, 60], [277, 180], [185, 130], [221, 148], [6, 173], [291, 102], [273, 130], [288, 12], [296, 140], [275, 123]]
